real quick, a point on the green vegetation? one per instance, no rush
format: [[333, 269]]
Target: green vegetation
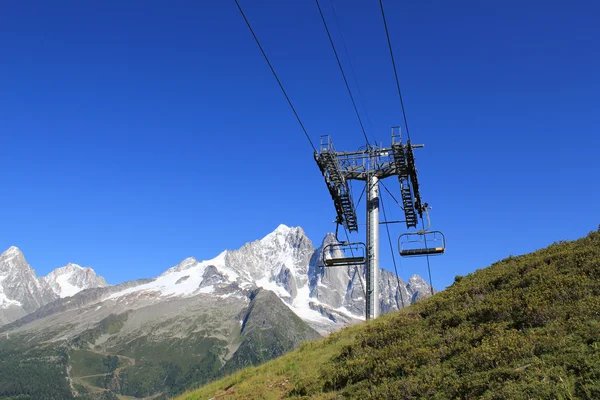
[[525, 328], [32, 373], [270, 330], [171, 365], [85, 362]]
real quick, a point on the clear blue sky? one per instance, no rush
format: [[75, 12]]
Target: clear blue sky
[[137, 133]]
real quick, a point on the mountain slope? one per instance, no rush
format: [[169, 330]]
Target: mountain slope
[[526, 327], [151, 350], [269, 328]]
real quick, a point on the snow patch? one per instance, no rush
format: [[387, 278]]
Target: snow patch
[[167, 283], [12, 250], [5, 302], [207, 289], [66, 289], [301, 306], [344, 310], [10, 253], [267, 284]]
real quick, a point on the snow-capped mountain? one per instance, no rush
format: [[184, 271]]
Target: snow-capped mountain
[[285, 262], [71, 279], [21, 292]]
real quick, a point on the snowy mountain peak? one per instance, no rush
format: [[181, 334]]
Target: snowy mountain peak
[[283, 228], [12, 260], [329, 239], [284, 261], [278, 234], [190, 277], [70, 268], [20, 290], [182, 266], [71, 279], [12, 250], [283, 237], [191, 263], [417, 280]]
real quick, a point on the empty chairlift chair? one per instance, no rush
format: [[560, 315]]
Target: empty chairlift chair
[[422, 243], [344, 254]]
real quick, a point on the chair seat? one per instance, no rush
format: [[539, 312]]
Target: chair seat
[[332, 262], [420, 252]]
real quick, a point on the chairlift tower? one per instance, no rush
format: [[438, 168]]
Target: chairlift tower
[[370, 164]]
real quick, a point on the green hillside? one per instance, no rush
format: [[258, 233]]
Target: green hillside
[[527, 327], [155, 360]]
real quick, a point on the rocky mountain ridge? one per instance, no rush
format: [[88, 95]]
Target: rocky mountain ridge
[[284, 261], [22, 292], [71, 279]]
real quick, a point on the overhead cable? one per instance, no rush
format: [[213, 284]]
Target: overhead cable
[[356, 271], [360, 95], [391, 195], [275, 75], [343, 74], [427, 256], [387, 34]]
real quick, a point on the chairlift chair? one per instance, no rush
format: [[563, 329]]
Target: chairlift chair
[[421, 243], [344, 254]]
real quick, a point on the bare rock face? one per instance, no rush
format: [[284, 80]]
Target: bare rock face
[[20, 291], [331, 285], [286, 279], [211, 276], [265, 259], [419, 288]]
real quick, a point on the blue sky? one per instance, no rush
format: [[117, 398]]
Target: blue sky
[[135, 134]]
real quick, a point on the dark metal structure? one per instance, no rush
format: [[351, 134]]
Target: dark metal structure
[[369, 164], [339, 168]]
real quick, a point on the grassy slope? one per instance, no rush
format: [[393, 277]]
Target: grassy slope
[[527, 327]]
